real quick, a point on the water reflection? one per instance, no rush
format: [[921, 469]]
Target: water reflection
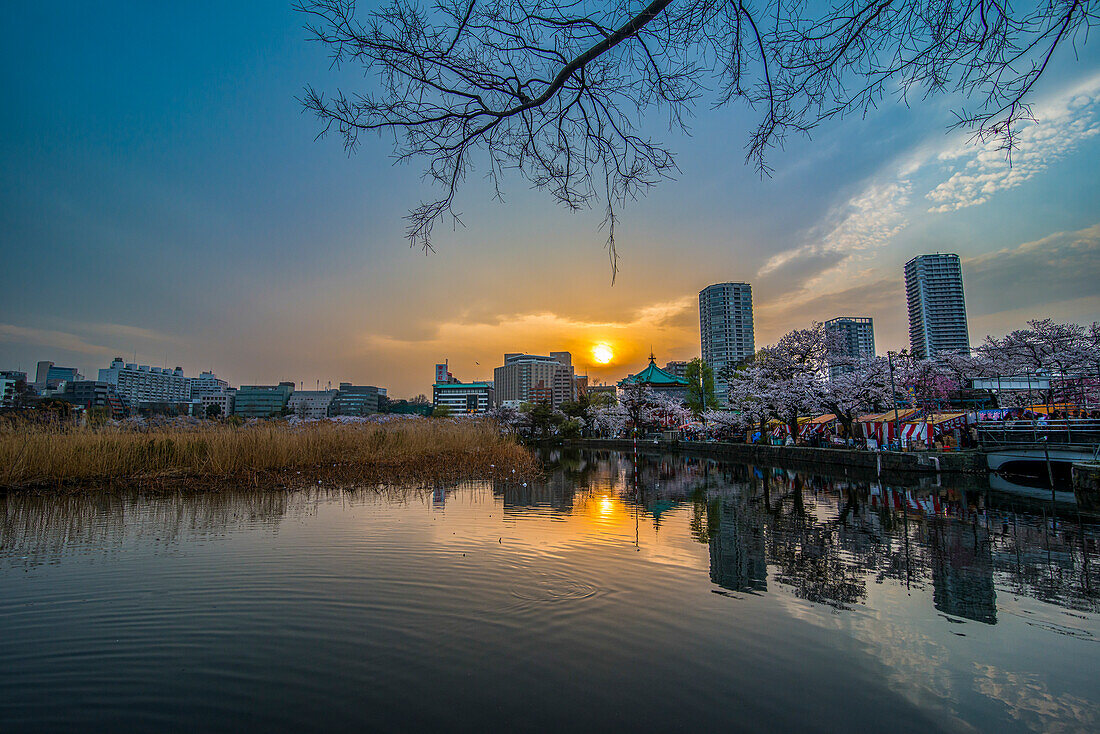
[[826, 538], [932, 607]]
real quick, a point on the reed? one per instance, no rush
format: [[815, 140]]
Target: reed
[[422, 450]]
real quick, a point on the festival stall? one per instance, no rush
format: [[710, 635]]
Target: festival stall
[[880, 427], [941, 423]]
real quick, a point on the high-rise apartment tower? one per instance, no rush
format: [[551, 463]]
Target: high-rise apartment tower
[[725, 329], [937, 310], [851, 341]]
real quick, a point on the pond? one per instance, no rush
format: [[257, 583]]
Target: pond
[[665, 593]]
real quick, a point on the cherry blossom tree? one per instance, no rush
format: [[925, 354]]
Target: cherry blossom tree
[[865, 389]]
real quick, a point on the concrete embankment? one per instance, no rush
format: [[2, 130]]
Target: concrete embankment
[[966, 462], [1086, 485]]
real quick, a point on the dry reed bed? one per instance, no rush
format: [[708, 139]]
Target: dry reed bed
[[274, 451]]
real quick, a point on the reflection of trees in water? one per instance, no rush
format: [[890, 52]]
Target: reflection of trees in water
[[44, 526], [826, 537], [807, 552]]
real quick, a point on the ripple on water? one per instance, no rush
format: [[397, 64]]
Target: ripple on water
[[544, 587]]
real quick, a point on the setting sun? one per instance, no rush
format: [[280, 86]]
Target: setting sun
[[602, 353]]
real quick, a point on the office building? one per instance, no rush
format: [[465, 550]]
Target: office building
[[937, 310], [262, 401], [89, 394], [533, 378], [463, 397], [137, 384], [311, 403], [357, 399], [49, 376], [725, 330], [851, 341]]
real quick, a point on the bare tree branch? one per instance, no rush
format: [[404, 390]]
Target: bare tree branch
[[554, 89]]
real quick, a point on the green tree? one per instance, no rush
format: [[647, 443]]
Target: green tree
[[700, 396], [441, 411], [213, 411], [576, 409], [544, 419]]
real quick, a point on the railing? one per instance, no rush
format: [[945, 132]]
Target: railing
[[1061, 433]]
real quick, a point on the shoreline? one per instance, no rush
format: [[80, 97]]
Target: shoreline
[[874, 462]]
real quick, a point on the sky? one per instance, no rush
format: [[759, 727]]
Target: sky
[[164, 198]]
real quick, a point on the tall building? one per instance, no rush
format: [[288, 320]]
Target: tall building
[[137, 384], [937, 310], [851, 341], [533, 378], [725, 329], [49, 376]]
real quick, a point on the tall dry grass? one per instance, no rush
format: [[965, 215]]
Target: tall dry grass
[[412, 450]]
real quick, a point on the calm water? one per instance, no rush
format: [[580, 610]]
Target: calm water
[[713, 597]]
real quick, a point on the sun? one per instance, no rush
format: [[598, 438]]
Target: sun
[[602, 353]]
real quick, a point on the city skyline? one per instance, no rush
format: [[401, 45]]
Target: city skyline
[[195, 220]]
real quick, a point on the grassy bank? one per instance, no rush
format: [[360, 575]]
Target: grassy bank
[[424, 450]]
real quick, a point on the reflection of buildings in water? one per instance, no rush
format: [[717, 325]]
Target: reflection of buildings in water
[[962, 571], [827, 537], [738, 559]]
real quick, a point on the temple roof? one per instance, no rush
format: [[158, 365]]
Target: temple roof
[[654, 375]]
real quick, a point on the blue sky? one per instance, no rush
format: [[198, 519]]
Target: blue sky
[[161, 193]]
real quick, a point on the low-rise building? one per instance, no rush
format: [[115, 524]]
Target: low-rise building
[[224, 397], [595, 392], [463, 397], [262, 401], [658, 380], [88, 394], [311, 403], [9, 387], [357, 399]]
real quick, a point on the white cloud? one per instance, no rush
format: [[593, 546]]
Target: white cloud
[[1062, 124], [866, 221]]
